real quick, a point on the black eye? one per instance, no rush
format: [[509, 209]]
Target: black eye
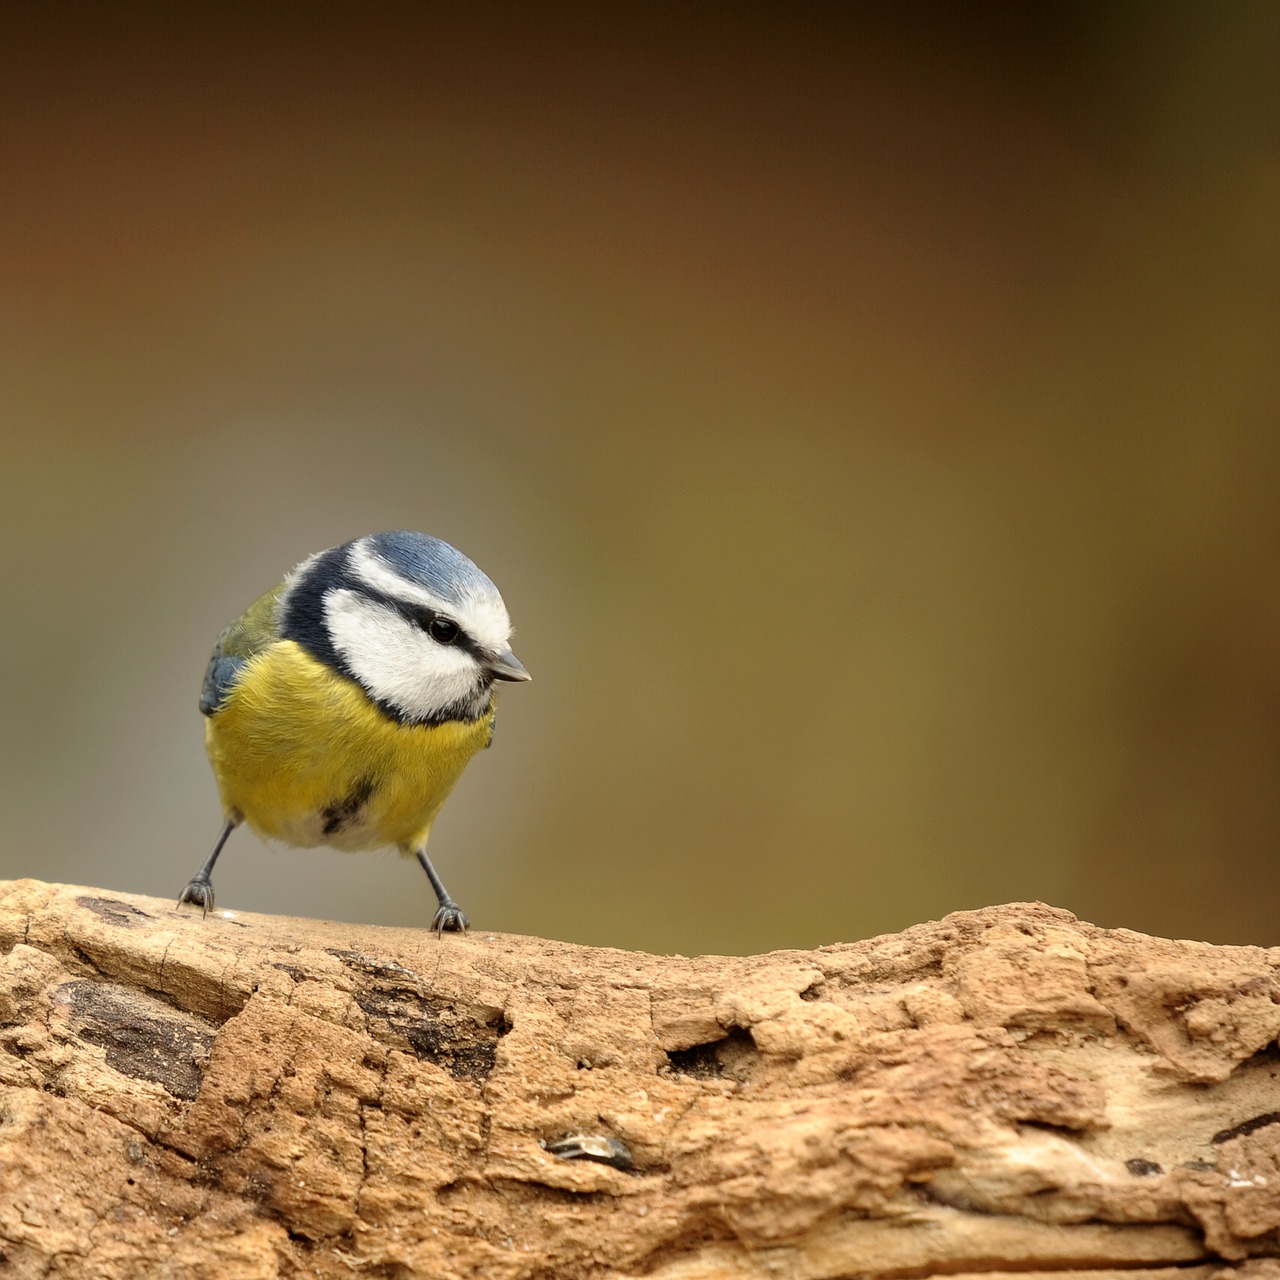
[[442, 631]]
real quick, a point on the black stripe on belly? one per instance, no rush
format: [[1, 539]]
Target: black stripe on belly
[[343, 813]]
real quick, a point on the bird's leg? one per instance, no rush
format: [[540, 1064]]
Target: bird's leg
[[199, 890], [449, 915]]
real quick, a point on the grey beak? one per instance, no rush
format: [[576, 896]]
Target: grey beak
[[506, 666]]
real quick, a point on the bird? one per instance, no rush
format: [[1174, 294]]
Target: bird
[[343, 705]]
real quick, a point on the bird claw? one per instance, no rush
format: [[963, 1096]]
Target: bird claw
[[450, 919], [199, 893]]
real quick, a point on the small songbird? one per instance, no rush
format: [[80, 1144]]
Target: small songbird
[[344, 704]]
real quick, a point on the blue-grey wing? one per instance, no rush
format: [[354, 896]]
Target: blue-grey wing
[[224, 670], [250, 633]]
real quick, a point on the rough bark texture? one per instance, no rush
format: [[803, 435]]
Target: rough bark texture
[[1005, 1090]]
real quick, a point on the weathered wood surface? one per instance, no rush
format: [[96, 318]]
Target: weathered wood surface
[[1007, 1089]]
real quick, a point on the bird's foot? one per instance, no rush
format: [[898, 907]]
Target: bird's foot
[[450, 918], [199, 893]]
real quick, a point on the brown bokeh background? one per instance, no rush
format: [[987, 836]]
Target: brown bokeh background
[[873, 424]]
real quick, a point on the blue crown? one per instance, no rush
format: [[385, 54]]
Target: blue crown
[[442, 569]]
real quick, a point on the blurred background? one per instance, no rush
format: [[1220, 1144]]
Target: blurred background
[[871, 416]]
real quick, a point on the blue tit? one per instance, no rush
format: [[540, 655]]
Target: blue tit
[[342, 706]]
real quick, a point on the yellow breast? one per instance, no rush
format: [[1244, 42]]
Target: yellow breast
[[305, 757]]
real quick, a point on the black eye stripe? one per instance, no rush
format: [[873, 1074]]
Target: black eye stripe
[[428, 619]]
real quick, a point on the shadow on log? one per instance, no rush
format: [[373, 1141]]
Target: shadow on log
[[1005, 1090]]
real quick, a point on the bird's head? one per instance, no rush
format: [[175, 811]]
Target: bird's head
[[408, 618]]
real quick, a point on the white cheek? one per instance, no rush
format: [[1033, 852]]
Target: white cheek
[[396, 661]]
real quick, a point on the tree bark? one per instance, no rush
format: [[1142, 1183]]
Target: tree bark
[[1004, 1090]]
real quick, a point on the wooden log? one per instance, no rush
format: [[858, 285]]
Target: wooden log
[[1004, 1090]]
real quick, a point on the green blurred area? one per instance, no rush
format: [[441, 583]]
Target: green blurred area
[[873, 426]]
